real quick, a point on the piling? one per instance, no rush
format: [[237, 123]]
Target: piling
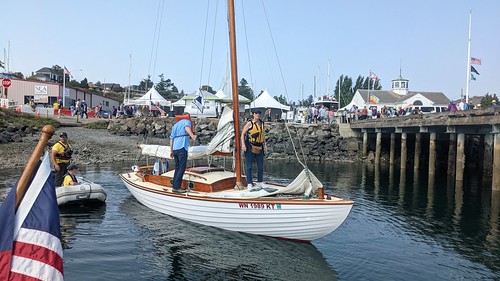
[[403, 150], [432, 154], [378, 148], [452, 154], [418, 151], [496, 163], [392, 149], [459, 169]]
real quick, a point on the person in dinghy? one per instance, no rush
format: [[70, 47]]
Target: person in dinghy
[[253, 143], [70, 177]]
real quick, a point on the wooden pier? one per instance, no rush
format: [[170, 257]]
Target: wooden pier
[[457, 139]]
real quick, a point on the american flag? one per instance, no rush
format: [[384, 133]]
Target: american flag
[[30, 245], [373, 76], [475, 61], [66, 71]]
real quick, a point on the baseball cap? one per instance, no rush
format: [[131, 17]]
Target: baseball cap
[[72, 167]]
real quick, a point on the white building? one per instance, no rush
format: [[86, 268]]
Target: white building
[[399, 97]]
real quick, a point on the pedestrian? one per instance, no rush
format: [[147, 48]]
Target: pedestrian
[[61, 158], [179, 145], [70, 177], [83, 110], [253, 143], [494, 104]]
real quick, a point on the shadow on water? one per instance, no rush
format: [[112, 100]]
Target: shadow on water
[[75, 220], [183, 250]]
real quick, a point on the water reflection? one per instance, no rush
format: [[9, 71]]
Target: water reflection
[[183, 250], [75, 221]]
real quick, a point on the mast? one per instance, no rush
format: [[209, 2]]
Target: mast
[[234, 84], [468, 61]]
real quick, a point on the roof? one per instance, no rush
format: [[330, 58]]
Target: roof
[[392, 97], [383, 96], [206, 96], [229, 98], [265, 100]]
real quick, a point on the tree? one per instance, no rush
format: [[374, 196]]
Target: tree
[[165, 87], [84, 83], [281, 99], [344, 91], [487, 100], [307, 102], [146, 84], [245, 90]]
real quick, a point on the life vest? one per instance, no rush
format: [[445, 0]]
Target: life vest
[[66, 155], [185, 116], [73, 178], [256, 132]]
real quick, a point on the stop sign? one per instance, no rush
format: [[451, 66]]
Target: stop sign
[[6, 82]]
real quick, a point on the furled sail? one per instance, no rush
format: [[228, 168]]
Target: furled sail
[[219, 143]]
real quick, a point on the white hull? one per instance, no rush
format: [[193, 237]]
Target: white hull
[[84, 193], [295, 219]]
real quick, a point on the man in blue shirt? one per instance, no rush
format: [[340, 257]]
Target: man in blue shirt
[[179, 145]]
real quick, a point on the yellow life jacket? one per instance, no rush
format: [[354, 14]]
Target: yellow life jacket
[[256, 133]]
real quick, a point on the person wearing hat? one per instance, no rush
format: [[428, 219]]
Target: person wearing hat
[[494, 104], [70, 177], [253, 143], [61, 158]]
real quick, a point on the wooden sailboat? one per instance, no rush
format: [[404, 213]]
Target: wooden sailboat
[[216, 196]]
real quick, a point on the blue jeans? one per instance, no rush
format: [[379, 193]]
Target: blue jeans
[[180, 158], [259, 158]]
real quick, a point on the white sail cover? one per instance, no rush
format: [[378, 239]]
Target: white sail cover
[[220, 142]]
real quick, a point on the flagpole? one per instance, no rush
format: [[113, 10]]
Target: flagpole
[[468, 60], [64, 88], [47, 133]]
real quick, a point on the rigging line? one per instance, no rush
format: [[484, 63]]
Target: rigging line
[[158, 38], [204, 44], [248, 49], [154, 40], [284, 85], [213, 43]]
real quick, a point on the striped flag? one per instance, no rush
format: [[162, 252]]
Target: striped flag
[[374, 99], [198, 101], [373, 76], [475, 61], [30, 245], [66, 71]]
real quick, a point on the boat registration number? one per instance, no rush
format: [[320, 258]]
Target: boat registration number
[[259, 206]]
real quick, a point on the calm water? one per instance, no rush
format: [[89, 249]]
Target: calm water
[[402, 227]]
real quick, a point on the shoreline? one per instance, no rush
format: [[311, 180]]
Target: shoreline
[[91, 146]]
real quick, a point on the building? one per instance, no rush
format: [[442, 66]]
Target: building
[[399, 97], [45, 94]]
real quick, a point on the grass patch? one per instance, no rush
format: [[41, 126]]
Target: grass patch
[[11, 116], [97, 125]]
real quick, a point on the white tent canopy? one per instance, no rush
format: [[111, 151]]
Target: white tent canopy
[[152, 97], [265, 100]]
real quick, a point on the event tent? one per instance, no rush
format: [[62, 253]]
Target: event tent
[[152, 97]]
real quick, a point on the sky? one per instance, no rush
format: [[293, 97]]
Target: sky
[[283, 46]]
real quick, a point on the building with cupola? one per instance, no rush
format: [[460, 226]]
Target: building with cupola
[[399, 96]]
